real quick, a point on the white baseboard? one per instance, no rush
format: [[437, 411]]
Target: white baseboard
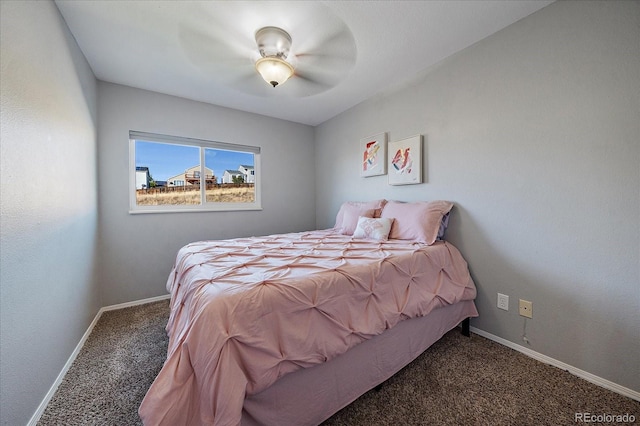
[[134, 303], [36, 416], [630, 393]]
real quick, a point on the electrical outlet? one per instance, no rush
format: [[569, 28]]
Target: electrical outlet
[[503, 301], [526, 308]]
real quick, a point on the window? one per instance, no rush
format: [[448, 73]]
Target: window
[[170, 174]]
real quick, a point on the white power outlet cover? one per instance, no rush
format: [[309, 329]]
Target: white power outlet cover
[[503, 301]]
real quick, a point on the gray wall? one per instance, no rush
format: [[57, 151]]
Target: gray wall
[[534, 134], [48, 294], [288, 185]]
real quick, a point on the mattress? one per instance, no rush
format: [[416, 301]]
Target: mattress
[[247, 312]]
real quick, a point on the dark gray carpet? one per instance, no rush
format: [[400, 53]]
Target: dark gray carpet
[[117, 364], [458, 381]]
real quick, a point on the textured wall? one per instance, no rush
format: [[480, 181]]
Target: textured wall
[[533, 133], [48, 295]]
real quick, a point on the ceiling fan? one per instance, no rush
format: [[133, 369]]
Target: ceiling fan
[[274, 44], [308, 47]]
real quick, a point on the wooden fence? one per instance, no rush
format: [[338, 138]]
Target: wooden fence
[[187, 188]]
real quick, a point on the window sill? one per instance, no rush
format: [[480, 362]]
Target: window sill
[[196, 210]]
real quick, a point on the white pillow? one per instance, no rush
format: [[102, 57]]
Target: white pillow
[[371, 228]]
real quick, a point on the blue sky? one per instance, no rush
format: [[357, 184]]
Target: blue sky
[[166, 160]]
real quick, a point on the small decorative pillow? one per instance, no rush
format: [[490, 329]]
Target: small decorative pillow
[[375, 229]]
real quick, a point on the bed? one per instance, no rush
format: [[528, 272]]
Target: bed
[[290, 328]]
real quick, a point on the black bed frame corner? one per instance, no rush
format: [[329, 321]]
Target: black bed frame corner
[[465, 327]]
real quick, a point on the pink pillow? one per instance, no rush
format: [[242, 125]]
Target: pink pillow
[[350, 211], [419, 221], [350, 218]]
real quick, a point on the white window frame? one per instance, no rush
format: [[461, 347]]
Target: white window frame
[[204, 206]]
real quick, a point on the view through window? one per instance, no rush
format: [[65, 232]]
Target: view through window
[[172, 173]]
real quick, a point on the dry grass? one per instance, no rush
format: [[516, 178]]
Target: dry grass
[[216, 195]]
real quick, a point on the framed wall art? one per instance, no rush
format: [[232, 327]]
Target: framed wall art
[[373, 155], [405, 161]]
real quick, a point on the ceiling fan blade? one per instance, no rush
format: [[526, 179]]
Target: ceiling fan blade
[[339, 43], [212, 54], [329, 64], [326, 59], [323, 81]]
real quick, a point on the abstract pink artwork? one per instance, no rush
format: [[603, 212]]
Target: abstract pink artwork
[[405, 161], [374, 155]]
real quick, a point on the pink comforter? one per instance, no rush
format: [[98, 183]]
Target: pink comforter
[[245, 312]]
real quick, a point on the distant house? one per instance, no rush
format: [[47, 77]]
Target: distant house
[[191, 176], [228, 175], [249, 173], [142, 177]]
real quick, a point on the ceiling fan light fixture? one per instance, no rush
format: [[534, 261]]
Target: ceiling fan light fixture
[[274, 70]]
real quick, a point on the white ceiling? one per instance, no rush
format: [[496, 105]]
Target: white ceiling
[[203, 50]]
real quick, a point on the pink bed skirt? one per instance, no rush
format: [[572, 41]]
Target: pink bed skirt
[[312, 395]]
